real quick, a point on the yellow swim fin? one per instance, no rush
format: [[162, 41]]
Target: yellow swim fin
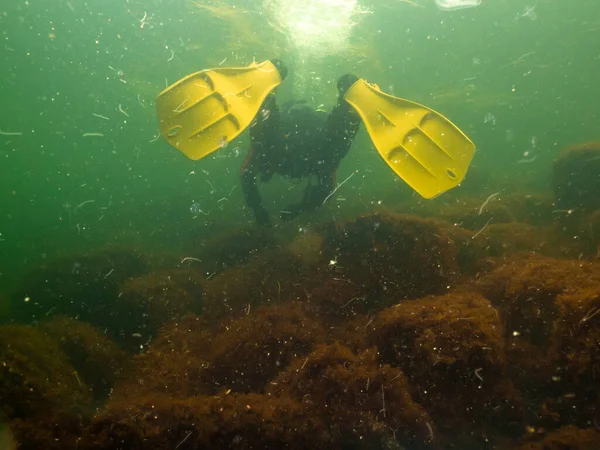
[[420, 145], [205, 110]]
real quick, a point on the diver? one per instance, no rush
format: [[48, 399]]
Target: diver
[[201, 113], [298, 142]]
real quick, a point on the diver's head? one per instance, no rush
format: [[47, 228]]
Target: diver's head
[[345, 82], [281, 68]]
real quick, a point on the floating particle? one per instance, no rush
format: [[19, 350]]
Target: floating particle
[[195, 209], [528, 13], [489, 118], [451, 5], [264, 113], [533, 142]]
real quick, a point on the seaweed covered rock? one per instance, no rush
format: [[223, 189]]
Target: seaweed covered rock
[[353, 400], [254, 421], [159, 297], [548, 307], [307, 247], [451, 348], [84, 287], [36, 376], [391, 256], [54, 430], [42, 396], [566, 438], [475, 214], [360, 396], [172, 365], [227, 421], [576, 177], [589, 235], [272, 277], [510, 238], [575, 355], [533, 208], [249, 351], [581, 234], [335, 297], [191, 357], [97, 360], [525, 291], [234, 248]]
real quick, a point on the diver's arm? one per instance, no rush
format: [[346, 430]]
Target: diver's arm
[[340, 129], [248, 175]]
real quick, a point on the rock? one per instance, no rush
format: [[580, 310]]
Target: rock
[[152, 300], [510, 238], [451, 349], [83, 287], [97, 360], [249, 351], [576, 177], [299, 409], [274, 276], [575, 355], [391, 257], [547, 308], [234, 248], [36, 376], [361, 396], [566, 438]]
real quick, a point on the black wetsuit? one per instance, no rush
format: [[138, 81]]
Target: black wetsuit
[[298, 142]]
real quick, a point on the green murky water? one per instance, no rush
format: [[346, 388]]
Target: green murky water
[[87, 185], [517, 77]]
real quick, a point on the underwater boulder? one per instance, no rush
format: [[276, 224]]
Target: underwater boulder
[[451, 349], [543, 302], [334, 298], [391, 256], [574, 353], [308, 247], [276, 275], [249, 351], [354, 396], [42, 396], [576, 177], [234, 248], [566, 438], [241, 354], [36, 376], [530, 208], [83, 287], [98, 361], [227, 420], [509, 238], [583, 235], [473, 215], [525, 289], [173, 364], [154, 299]]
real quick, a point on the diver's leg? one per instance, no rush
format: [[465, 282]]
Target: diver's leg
[[314, 196], [248, 175]]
